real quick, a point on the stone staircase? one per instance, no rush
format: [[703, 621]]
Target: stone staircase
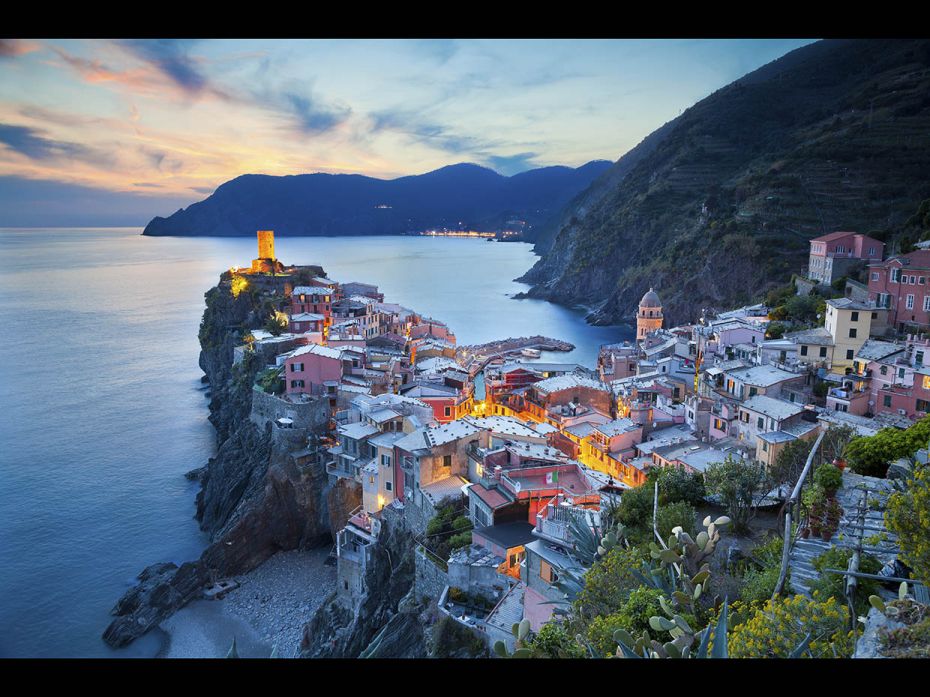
[[857, 492], [509, 610]]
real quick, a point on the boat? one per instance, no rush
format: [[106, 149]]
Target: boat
[[530, 353]]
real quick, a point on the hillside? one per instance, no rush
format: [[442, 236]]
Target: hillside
[[351, 204], [717, 206]]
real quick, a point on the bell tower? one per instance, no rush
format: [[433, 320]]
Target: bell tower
[[649, 317]]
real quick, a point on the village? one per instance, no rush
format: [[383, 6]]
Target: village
[[491, 456]]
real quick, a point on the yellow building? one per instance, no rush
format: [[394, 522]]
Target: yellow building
[[849, 323]]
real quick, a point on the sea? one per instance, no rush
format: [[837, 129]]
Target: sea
[[102, 409]]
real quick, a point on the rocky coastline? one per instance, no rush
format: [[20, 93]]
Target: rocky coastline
[[255, 499]]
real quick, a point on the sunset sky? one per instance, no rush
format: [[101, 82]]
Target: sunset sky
[[115, 132]]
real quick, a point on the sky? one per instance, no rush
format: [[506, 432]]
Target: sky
[[114, 132]]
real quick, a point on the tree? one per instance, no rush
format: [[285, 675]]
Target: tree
[[871, 455], [554, 641], [632, 617], [737, 482], [775, 330], [906, 515], [679, 485], [608, 583]]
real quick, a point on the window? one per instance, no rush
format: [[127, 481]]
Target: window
[[760, 423], [753, 391], [901, 373], [849, 354], [744, 416], [297, 383], [909, 303], [852, 333], [895, 275], [884, 370], [447, 461], [765, 447], [875, 275], [297, 367], [886, 400], [547, 573], [871, 251], [921, 280], [803, 350], [927, 303], [448, 411], [874, 315], [919, 357], [823, 351], [903, 280], [884, 300], [387, 486], [386, 460], [854, 317], [914, 280], [922, 405]]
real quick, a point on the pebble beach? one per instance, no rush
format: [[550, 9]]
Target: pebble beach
[[269, 609]]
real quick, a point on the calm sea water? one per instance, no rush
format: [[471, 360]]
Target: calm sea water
[[103, 410]]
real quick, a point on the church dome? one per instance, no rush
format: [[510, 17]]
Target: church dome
[[650, 299]]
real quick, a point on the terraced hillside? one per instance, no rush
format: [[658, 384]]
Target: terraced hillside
[[716, 207]]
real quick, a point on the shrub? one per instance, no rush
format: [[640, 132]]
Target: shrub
[[554, 641], [829, 477], [906, 515], [462, 523], [633, 617], [673, 515], [871, 455], [737, 482], [679, 485], [759, 582], [609, 582], [779, 626], [834, 585]]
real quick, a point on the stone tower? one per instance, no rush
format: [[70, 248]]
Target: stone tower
[[265, 263], [649, 317]]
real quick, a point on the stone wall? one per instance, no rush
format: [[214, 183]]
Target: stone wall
[[429, 579], [308, 416]]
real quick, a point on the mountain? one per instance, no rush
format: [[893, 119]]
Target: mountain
[[352, 204], [717, 206]]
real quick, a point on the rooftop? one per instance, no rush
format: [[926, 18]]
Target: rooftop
[[443, 489], [761, 375], [508, 535], [617, 427], [492, 497], [875, 350], [819, 336], [567, 382], [775, 408], [357, 430], [311, 290]]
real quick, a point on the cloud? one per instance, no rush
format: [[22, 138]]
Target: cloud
[[512, 164], [430, 133], [170, 57], [29, 142], [10, 48], [311, 116]]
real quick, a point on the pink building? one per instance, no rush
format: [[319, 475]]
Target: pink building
[[902, 285], [307, 368], [432, 328], [314, 299], [304, 322], [833, 255]]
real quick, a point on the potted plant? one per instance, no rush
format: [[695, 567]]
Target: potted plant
[[829, 478], [831, 519], [812, 502], [840, 463]]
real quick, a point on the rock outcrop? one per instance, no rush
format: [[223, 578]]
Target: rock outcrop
[[340, 631], [255, 499]]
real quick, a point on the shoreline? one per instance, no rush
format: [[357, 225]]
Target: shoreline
[[268, 610]]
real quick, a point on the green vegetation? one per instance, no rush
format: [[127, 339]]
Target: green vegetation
[[679, 492], [828, 477], [834, 585], [777, 628], [633, 616], [737, 482], [906, 515], [760, 580], [452, 640], [271, 380], [871, 455], [554, 641], [449, 529]]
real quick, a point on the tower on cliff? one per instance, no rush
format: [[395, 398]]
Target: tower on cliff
[[266, 262], [649, 317]]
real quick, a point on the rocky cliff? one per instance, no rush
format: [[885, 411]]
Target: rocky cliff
[[255, 498], [717, 206]]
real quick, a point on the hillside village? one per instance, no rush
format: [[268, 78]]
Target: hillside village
[[492, 458]]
